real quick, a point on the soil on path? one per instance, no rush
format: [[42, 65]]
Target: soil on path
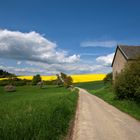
[[97, 120]]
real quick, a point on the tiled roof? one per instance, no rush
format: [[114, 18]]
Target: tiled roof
[[130, 52]]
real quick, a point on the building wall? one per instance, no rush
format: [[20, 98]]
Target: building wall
[[119, 63]]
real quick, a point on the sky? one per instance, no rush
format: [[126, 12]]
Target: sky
[[71, 36]]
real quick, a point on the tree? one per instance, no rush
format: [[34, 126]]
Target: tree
[[36, 79], [5, 74], [68, 81], [59, 81], [40, 84], [108, 78], [63, 76], [127, 83], [64, 80]]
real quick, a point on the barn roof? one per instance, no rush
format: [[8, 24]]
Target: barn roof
[[129, 52]]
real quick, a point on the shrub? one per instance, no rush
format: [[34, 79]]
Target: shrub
[[19, 83], [36, 79], [64, 80], [63, 76], [108, 78], [4, 74], [137, 93], [40, 84], [68, 81], [50, 82], [10, 88], [59, 81], [4, 82], [127, 83], [14, 81]]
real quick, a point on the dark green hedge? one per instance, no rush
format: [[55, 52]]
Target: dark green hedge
[[127, 83]]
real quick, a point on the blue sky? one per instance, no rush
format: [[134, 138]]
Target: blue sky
[[72, 36]]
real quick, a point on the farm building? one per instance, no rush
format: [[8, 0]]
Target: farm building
[[123, 55]]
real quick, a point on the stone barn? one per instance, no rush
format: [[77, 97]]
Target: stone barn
[[123, 55]]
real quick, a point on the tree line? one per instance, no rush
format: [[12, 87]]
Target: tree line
[[5, 74]]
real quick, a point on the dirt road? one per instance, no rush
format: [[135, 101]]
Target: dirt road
[[97, 120]]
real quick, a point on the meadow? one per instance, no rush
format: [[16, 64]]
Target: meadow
[[34, 113]]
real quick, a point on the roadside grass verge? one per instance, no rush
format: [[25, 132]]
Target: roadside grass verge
[[90, 85], [105, 92], [33, 113]]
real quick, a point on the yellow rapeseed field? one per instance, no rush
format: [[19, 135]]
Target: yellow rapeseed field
[[87, 77], [76, 78], [45, 78]]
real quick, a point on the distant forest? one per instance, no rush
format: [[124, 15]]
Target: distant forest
[[5, 74]]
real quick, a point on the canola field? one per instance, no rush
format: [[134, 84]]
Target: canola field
[[87, 77], [76, 78]]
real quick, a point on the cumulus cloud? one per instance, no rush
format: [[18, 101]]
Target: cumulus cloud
[[42, 56], [33, 68], [89, 54], [19, 62], [71, 68], [105, 60], [106, 44], [32, 46], [23, 71]]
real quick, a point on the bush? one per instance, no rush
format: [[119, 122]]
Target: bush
[[127, 83], [68, 81], [108, 78], [4, 82], [14, 81], [40, 84], [4, 74], [19, 83], [50, 82], [64, 80], [36, 79], [10, 88], [59, 80], [137, 93]]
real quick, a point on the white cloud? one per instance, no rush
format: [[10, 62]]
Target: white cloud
[[106, 44], [71, 68], [41, 56], [19, 62], [53, 69], [23, 71], [89, 54], [32, 47], [33, 68], [105, 60]]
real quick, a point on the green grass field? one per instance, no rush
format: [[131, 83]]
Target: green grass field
[[37, 114], [91, 85], [106, 93]]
